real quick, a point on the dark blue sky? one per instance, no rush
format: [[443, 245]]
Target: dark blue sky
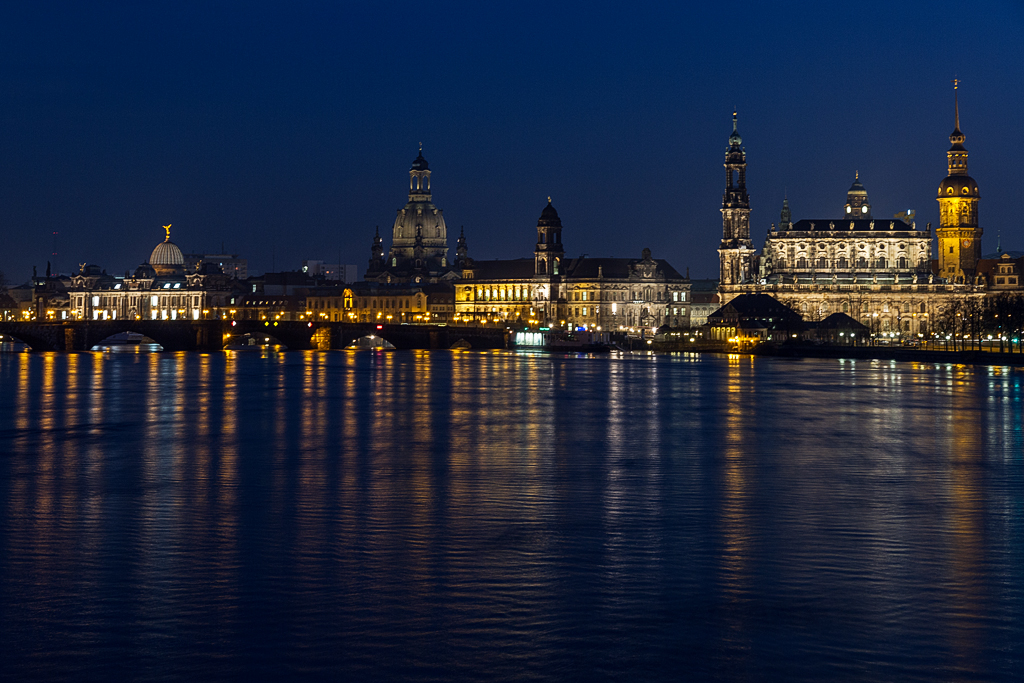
[[286, 130]]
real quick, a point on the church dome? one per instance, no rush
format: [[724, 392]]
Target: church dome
[[419, 163], [958, 186]]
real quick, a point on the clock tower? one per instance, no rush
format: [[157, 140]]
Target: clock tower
[[959, 236]]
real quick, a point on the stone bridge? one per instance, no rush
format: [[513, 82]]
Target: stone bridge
[[214, 335]]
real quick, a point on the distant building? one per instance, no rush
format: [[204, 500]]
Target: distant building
[[331, 272], [230, 264], [704, 301]]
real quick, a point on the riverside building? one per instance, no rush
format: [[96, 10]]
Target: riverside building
[[879, 271]]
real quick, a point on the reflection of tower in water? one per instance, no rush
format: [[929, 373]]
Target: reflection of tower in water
[[966, 520], [735, 520]]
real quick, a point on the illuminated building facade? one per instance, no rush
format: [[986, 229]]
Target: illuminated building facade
[[958, 233], [880, 272], [551, 290], [386, 304], [160, 289]]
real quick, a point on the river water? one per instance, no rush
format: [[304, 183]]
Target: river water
[[434, 516]]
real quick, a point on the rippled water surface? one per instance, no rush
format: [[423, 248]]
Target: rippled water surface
[[493, 516]]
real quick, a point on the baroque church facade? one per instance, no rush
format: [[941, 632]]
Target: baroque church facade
[[880, 272]]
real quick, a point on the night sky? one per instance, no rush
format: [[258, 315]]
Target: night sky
[[285, 131]]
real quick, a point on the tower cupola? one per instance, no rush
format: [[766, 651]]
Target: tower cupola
[[548, 252], [857, 205]]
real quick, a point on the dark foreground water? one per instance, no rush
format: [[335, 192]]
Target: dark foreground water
[[491, 516]]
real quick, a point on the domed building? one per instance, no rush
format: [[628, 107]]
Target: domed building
[[159, 289], [419, 237]]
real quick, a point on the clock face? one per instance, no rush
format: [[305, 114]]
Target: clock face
[[966, 243]]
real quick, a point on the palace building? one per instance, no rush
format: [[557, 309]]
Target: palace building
[[552, 290], [159, 289], [879, 271]]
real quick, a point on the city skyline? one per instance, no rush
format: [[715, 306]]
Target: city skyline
[[113, 134]]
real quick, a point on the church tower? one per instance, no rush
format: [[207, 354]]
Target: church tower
[[958, 234], [548, 254], [736, 253]]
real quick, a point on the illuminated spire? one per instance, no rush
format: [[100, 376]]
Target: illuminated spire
[[167, 229]]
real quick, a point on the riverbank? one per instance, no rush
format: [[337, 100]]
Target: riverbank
[[898, 353]]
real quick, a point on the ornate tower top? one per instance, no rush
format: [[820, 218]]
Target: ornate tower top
[[548, 252], [419, 179], [857, 205], [735, 140], [735, 172], [785, 216], [957, 154]]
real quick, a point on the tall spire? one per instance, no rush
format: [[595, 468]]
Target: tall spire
[[956, 138], [956, 101], [735, 140]]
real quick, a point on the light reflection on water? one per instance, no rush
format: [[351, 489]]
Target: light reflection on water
[[465, 515]]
